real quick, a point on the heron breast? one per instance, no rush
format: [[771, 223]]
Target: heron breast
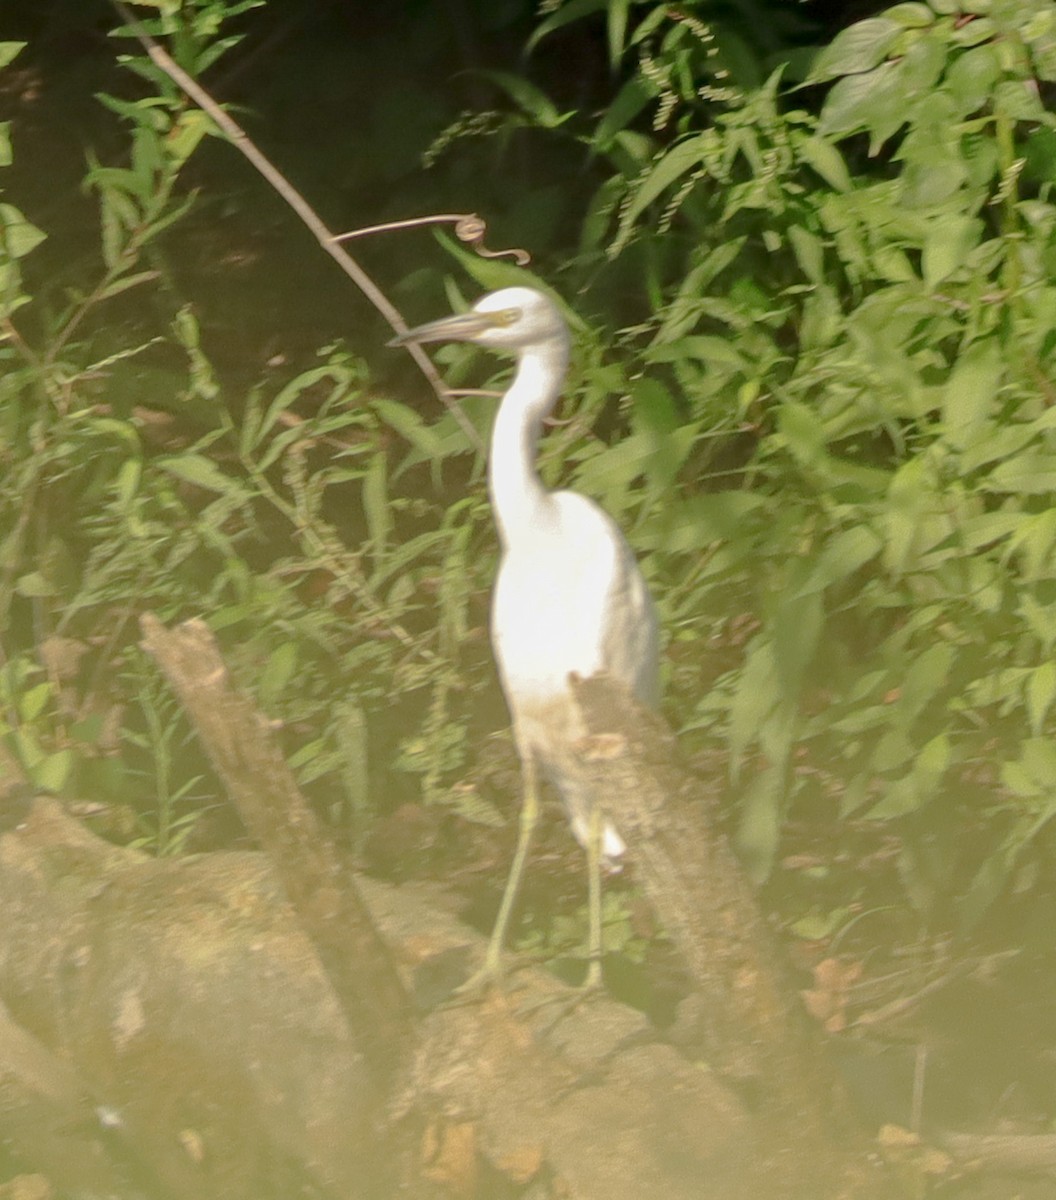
[[544, 626]]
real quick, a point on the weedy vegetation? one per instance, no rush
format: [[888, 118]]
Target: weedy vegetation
[[813, 383]]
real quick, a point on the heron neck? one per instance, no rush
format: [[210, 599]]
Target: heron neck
[[518, 498]]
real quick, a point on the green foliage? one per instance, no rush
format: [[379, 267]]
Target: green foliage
[[835, 448], [131, 484], [840, 451]]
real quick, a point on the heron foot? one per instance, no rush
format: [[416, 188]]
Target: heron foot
[[492, 976], [566, 1000], [482, 981]]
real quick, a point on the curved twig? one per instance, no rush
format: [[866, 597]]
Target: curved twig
[[469, 228]]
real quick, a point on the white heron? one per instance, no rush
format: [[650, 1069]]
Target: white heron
[[568, 597]]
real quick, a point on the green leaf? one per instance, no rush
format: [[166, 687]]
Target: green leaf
[[126, 483], [802, 433], [1038, 35], [841, 557], [911, 15], [971, 77], [9, 51], [824, 157], [703, 520], [933, 761], [797, 627], [971, 33], [533, 102], [1032, 473], [573, 10], [34, 586], [925, 677], [885, 98], [377, 505], [113, 229], [1039, 760], [759, 829], [211, 53], [851, 103], [990, 881], [410, 426], [34, 701], [202, 472], [970, 394], [260, 425], [184, 137], [858, 48], [1034, 541], [1040, 693], [667, 169], [758, 694], [616, 23], [119, 179], [950, 240], [810, 253], [277, 672], [623, 108], [19, 237], [53, 771], [147, 159], [141, 112], [125, 282], [1018, 99]]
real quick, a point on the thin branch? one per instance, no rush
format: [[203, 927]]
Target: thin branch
[[241, 141], [469, 228]]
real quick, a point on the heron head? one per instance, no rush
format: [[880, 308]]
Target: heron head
[[511, 319]]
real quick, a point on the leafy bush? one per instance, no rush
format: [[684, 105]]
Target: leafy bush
[[843, 397], [131, 482]]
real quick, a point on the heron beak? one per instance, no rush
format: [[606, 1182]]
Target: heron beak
[[462, 327]]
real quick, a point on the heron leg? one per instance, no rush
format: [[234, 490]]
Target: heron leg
[[595, 840], [594, 944], [491, 971]]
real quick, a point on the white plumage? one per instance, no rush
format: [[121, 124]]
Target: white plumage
[[569, 596]]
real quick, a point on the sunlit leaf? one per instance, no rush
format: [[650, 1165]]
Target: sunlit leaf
[[971, 392], [971, 77], [860, 47], [912, 15], [377, 502], [277, 672], [826, 159], [616, 21], [1041, 691], [532, 101], [841, 557], [18, 236], [202, 472], [684, 156], [759, 828], [9, 51], [52, 772], [949, 242]]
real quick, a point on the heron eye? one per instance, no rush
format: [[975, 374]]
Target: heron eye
[[507, 316]]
